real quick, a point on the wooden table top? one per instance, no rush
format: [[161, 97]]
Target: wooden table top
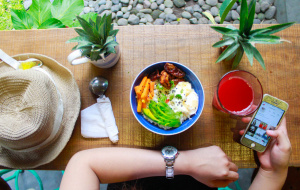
[[190, 45]]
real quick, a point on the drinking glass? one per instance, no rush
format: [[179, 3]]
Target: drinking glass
[[238, 93]]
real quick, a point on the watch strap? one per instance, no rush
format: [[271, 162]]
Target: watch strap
[[169, 169]]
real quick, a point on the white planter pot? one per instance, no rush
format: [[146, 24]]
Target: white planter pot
[[75, 58]]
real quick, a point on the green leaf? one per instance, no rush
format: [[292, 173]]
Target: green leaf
[[74, 48], [225, 8], [86, 17], [243, 16], [78, 39], [265, 39], [21, 19], [258, 31], [231, 56], [248, 50], [233, 34], [94, 55], [229, 50], [238, 58], [113, 32], [225, 42], [251, 15], [258, 57], [88, 29], [220, 29], [66, 10], [210, 17], [40, 10], [278, 27], [51, 23]]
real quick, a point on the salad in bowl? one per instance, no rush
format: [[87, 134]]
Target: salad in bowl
[[167, 98]]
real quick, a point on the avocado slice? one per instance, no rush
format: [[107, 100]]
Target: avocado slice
[[149, 114]]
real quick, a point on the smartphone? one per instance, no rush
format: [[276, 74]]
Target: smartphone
[[267, 117]]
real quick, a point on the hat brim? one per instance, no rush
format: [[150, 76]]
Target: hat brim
[[69, 90]]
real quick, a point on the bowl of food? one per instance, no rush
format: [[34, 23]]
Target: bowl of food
[[167, 98]]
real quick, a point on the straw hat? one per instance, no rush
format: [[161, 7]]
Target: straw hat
[[38, 111]]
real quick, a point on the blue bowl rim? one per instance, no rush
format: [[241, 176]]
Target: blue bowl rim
[[196, 119]]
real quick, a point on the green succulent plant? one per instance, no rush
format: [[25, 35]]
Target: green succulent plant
[[243, 40], [96, 38]]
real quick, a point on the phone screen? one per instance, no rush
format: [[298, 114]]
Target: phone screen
[[267, 118]]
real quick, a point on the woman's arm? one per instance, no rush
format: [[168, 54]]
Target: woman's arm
[[88, 168]]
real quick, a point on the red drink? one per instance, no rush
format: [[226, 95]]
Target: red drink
[[236, 95]]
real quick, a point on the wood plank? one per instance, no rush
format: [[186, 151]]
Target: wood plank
[[189, 45]]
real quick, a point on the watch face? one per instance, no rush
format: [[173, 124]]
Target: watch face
[[169, 152]]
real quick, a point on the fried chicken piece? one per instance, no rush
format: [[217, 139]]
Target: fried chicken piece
[[165, 79], [176, 81], [154, 76], [173, 70]]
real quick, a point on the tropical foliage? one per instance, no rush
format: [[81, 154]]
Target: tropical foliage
[[243, 40], [5, 7], [96, 38]]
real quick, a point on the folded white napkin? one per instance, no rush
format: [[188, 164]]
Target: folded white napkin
[[98, 121]]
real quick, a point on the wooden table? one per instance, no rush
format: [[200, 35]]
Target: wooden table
[[190, 45]]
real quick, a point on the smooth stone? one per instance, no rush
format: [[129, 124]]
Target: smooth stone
[[140, 15], [228, 17], [219, 5], [115, 8], [122, 22], [141, 24], [201, 2], [113, 15], [273, 21], [146, 11], [161, 7], [186, 14], [147, 4], [101, 9], [234, 7], [159, 21], [149, 17], [133, 20], [225, 22], [135, 2], [203, 20], [206, 7], [168, 10], [271, 2], [214, 11], [134, 11], [106, 12], [126, 15], [174, 22], [264, 6], [257, 8], [125, 1], [218, 19], [212, 2], [162, 15], [237, 22], [155, 14], [124, 9], [234, 15], [189, 9], [120, 14], [102, 2], [197, 8], [139, 7], [148, 23], [194, 21], [208, 11], [143, 20], [270, 13], [159, 2], [238, 9], [168, 3], [92, 9], [267, 22], [86, 9], [85, 3], [256, 21], [129, 8], [209, 22], [108, 5], [184, 21], [197, 15], [92, 4], [221, 1], [261, 16], [115, 2], [153, 6], [141, 1], [179, 3], [170, 17]]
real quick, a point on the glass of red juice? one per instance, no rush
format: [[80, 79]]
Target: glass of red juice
[[238, 93]]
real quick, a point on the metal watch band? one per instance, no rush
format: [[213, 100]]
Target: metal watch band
[[169, 169]]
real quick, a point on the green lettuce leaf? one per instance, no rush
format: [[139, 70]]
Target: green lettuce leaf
[[40, 10]]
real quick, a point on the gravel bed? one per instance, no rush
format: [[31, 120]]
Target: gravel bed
[[173, 12]]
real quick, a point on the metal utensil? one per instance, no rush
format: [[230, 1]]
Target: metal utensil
[[98, 86]]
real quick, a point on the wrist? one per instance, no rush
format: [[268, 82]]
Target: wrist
[[181, 165], [278, 174]]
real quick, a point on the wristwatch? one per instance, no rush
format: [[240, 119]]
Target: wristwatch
[[169, 153]]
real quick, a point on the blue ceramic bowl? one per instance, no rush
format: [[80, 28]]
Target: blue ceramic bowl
[[190, 77]]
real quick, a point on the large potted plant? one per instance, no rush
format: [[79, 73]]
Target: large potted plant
[[96, 43], [236, 42]]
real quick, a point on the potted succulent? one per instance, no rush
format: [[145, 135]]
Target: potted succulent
[[96, 43], [236, 42]]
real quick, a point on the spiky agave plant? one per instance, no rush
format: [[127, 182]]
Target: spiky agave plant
[[96, 38], [238, 41]]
